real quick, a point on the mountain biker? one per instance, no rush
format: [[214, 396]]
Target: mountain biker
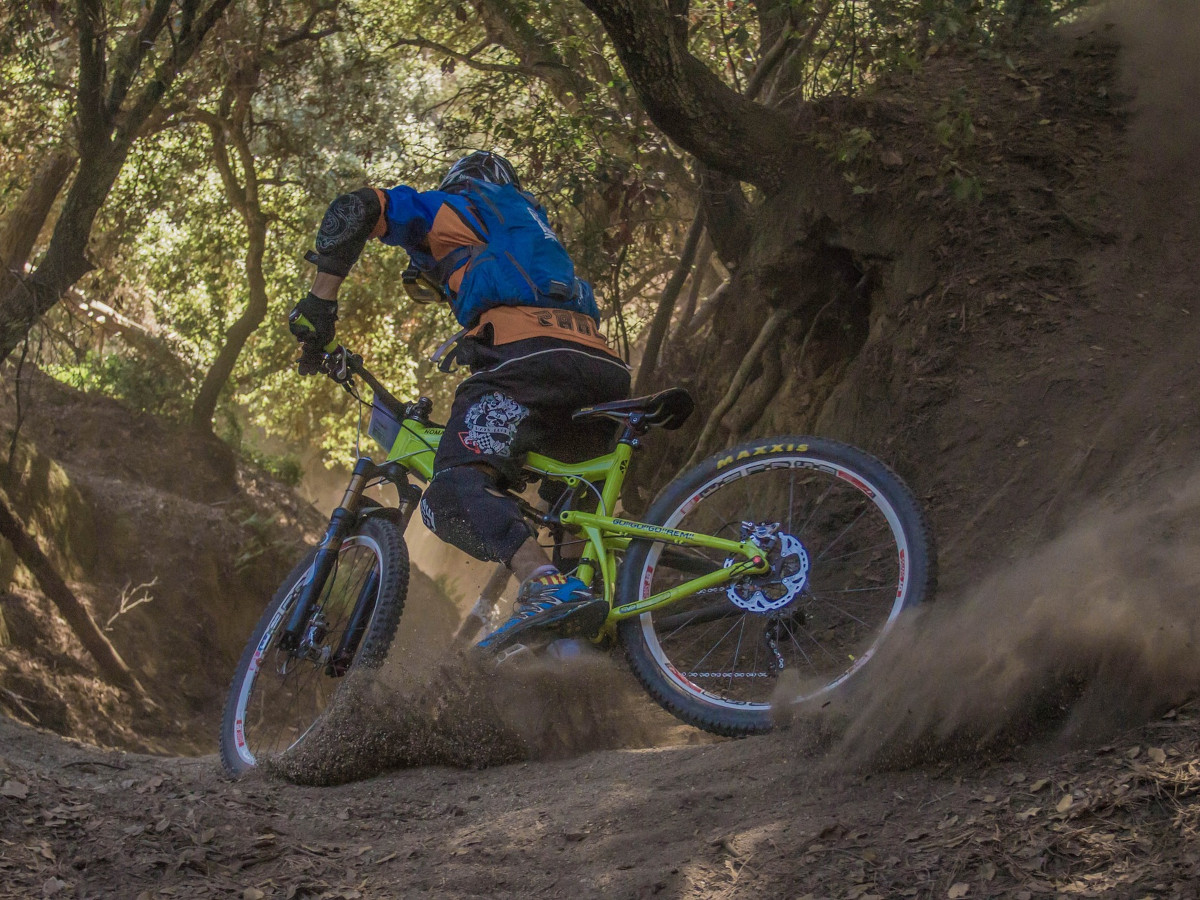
[[531, 343]]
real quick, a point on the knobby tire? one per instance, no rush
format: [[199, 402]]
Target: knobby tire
[[714, 659], [275, 699]]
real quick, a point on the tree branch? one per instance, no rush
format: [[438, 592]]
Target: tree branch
[[72, 610], [93, 123], [509, 27], [216, 129], [502, 68], [692, 106], [305, 31], [164, 76], [130, 56], [774, 320], [666, 305]]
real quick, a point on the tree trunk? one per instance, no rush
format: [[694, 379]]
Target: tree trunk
[[243, 195], [65, 261], [693, 107], [666, 306], [205, 404], [107, 126], [24, 221], [73, 611], [727, 215]]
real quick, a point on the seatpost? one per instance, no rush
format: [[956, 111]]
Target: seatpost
[[632, 430]]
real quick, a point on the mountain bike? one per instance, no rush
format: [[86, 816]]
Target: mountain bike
[[781, 555]]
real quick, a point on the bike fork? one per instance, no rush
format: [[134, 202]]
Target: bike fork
[[340, 524], [339, 662]]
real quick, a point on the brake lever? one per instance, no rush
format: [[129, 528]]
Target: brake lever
[[337, 365]]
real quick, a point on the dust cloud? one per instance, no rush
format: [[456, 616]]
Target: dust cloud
[[448, 707], [1093, 634], [1101, 628], [1161, 71]]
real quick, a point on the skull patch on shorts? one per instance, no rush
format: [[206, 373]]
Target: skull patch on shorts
[[492, 423]]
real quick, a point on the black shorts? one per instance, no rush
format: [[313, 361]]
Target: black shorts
[[520, 397]]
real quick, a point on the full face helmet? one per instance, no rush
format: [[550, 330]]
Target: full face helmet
[[484, 165]]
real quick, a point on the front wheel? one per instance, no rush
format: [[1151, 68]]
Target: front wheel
[[849, 549], [278, 695]]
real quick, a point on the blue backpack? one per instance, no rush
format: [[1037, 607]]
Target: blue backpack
[[523, 262]]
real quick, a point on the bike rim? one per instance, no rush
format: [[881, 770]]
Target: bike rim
[[282, 697], [859, 579]]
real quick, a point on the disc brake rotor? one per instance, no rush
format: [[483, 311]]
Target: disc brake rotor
[[777, 588]]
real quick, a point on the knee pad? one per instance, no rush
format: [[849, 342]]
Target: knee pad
[[349, 221], [463, 506]]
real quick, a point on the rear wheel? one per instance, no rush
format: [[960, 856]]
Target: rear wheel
[[278, 695], [849, 549]]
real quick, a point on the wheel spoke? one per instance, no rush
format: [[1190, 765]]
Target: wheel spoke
[[830, 593], [737, 651], [844, 532], [795, 643], [282, 706]]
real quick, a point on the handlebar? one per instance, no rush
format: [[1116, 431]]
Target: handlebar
[[340, 364]]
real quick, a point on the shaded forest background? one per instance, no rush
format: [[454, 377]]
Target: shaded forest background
[[165, 164], [766, 215]]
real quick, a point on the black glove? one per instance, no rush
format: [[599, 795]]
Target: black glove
[[313, 322], [311, 361]]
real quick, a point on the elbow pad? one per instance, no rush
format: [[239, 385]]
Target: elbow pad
[[349, 222]]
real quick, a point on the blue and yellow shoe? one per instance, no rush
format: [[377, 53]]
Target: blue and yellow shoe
[[557, 605]]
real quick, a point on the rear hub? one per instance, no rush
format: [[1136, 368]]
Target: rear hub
[[788, 575]]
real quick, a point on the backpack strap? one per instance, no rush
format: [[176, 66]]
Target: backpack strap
[[455, 260]]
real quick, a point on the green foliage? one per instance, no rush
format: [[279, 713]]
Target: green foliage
[[35, 67], [262, 538], [137, 382], [954, 126], [954, 129], [966, 188], [333, 96], [285, 467]]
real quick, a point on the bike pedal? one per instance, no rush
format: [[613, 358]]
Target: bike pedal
[[509, 652]]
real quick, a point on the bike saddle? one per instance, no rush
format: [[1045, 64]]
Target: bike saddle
[[667, 409]]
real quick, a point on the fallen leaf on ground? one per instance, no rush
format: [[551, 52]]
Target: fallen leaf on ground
[[16, 789]]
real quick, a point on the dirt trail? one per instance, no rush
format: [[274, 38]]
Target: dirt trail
[[760, 818], [999, 748]]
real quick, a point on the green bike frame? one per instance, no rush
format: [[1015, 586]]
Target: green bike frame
[[606, 535]]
